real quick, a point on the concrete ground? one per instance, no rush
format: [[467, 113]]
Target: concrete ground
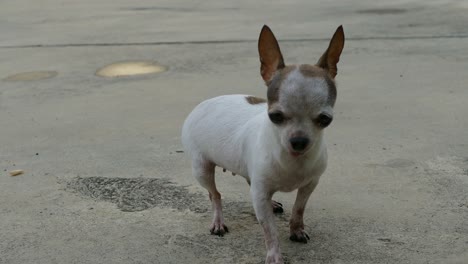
[[105, 180]]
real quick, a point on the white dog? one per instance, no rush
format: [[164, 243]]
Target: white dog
[[275, 144]]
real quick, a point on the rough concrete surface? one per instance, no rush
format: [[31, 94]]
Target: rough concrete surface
[[105, 180]]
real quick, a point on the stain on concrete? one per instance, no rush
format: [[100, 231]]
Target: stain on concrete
[[399, 163], [138, 194], [31, 76], [393, 163]]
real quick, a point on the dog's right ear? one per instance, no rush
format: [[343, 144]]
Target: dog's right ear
[[331, 57], [270, 54]]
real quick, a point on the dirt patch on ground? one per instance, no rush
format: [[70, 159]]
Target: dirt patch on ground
[[138, 194]]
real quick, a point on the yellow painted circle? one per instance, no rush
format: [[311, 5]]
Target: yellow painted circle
[[129, 68], [31, 76]]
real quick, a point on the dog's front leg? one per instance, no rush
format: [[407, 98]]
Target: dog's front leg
[[261, 199], [296, 224]]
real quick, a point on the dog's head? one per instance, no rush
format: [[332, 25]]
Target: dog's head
[[300, 97]]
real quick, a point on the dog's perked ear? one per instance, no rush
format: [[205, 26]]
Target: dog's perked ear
[[331, 57], [270, 54]]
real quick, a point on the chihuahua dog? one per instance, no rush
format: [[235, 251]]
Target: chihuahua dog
[[275, 144]]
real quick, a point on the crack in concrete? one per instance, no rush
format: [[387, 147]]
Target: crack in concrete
[[233, 41]]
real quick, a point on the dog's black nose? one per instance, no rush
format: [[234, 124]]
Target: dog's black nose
[[299, 143]]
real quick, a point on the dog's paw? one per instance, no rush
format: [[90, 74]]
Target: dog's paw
[[274, 258], [299, 236], [218, 229], [277, 207]]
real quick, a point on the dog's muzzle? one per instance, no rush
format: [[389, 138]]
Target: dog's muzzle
[[299, 143]]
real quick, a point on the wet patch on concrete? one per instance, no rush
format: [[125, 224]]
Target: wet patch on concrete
[[138, 194], [31, 76]]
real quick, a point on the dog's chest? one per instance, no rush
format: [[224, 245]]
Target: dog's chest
[[290, 178], [291, 181]]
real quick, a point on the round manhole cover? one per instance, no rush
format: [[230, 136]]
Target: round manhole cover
[[31, 76], [129, 68]]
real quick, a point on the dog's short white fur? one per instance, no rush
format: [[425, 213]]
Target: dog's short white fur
[[275, 144]]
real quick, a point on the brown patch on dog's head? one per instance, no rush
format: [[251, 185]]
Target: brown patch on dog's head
[[275, 83], [254, 100], [312, 71], [331, 90], [316, 72]]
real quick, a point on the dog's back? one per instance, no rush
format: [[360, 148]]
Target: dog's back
[[229, 116]]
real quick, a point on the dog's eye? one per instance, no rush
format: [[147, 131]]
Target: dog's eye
[[276, 117], [324, 120]]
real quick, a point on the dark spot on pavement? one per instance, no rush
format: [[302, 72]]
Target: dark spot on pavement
[[384, 239], [138, 194], [382, 11], [398, 163]]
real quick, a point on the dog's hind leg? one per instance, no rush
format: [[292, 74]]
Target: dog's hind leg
[[277, 207], [204, 172]]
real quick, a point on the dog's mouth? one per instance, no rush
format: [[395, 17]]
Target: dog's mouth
[[296, 153]]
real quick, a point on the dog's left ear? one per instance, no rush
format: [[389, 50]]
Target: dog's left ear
[[331, 57], [270, 54]]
